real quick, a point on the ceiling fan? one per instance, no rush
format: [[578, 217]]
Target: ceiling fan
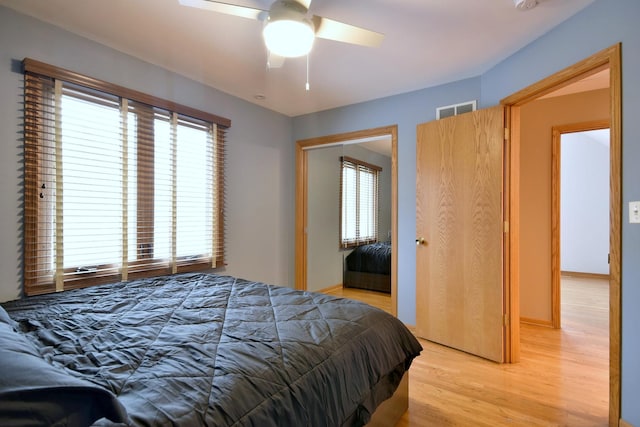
[[289, 31]]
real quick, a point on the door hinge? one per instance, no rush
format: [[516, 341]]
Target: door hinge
[[506, 133], [506, 226], [505, 320]]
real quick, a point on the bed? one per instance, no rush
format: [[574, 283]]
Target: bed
[[369, 267], [198, 349]]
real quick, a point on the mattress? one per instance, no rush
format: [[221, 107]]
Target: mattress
[[202, 349], [373, 258]]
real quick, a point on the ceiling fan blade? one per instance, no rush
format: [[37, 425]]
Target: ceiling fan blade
[[273, 60], [226, 8], [305, 3], [333, 30]]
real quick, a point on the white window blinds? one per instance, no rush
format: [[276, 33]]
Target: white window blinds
[[116, 188], [359, 202]]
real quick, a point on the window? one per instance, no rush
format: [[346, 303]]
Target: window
[[359, 202], [118, 184]]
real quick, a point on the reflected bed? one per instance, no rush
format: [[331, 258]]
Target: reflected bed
[[369, 267]]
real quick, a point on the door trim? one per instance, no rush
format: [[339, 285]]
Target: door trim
[[302, 194], [610, 57], [557, 132]]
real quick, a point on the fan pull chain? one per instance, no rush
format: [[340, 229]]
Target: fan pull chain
[[307, 85]]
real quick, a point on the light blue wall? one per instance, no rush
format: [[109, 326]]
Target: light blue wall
[[261, 149], [603, 24], [406, 111], [260, 159]]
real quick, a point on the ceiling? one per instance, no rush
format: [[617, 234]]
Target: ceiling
[[427, 43], [595, 81]]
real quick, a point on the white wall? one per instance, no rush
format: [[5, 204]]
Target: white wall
[[324, 258], [260, 170], [584, 223]]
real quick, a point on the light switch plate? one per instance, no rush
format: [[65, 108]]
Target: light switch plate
[[634, 212]]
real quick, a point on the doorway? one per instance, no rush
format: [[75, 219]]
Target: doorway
[[608, 58], [302, 196], [580, 215]]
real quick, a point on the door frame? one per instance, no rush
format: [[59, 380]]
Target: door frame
[[610, 57], [556, 271], [302, 197]]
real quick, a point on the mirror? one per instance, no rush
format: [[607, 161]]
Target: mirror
[[326, 259], [329, 263]]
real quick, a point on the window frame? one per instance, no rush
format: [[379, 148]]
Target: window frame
[[359, 166], [34, 283]]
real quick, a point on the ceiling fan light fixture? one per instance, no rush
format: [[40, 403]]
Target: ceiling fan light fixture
[[525, 4], [289, 38]]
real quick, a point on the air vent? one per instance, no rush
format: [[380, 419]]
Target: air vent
[[454, 110]]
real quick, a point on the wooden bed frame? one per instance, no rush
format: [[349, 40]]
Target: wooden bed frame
[[369, 281], [391, 410]]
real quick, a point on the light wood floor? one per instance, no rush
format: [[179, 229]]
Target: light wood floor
[[561, 380]]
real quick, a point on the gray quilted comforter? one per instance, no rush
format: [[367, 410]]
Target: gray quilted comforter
[[201, 349]]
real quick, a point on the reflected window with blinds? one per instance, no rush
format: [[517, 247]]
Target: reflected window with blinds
[[359, 202], [118, 184]]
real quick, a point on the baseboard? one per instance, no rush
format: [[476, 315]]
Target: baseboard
[[623, 423], [584, 275], [536, 322], [330, 289]]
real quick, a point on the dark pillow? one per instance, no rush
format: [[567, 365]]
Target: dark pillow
[[35, 393]]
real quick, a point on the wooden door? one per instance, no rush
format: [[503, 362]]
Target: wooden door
[[459, 224]]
